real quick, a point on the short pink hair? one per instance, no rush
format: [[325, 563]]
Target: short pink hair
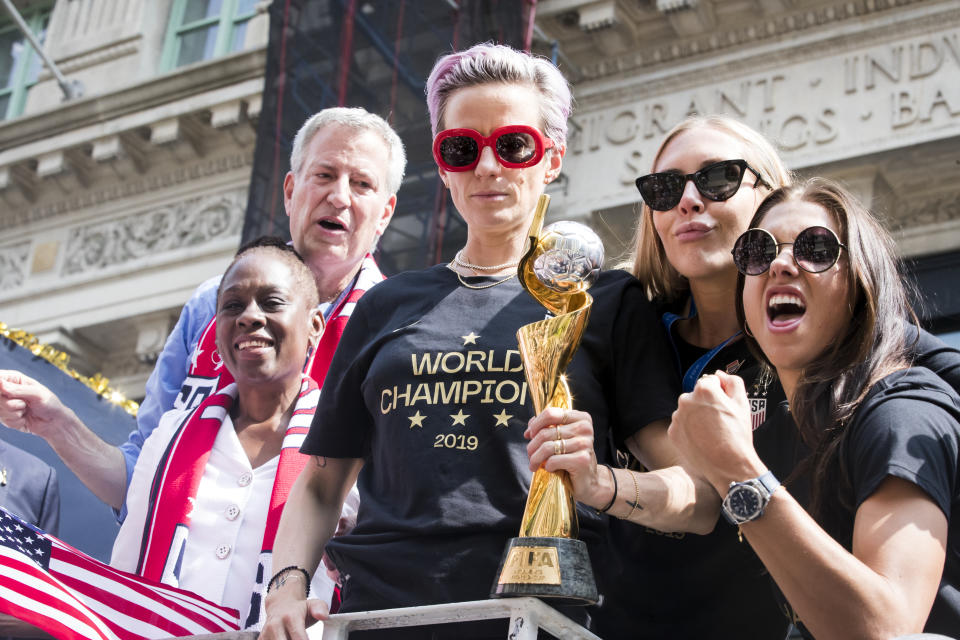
[[493, 63]]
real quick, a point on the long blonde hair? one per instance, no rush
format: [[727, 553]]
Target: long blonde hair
[[648, 261]]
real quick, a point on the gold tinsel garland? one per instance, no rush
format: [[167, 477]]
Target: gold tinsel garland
[[99, 384]]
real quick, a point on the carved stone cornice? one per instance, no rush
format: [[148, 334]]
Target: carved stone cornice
[[725, 38], [932, 211], [13, 264], [162, 90], [132, 186], [147, 233], [111, 51], [651, 80]]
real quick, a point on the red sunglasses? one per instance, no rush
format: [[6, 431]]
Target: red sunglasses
[[515, 146]]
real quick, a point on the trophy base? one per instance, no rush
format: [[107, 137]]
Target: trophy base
[[555, 568]]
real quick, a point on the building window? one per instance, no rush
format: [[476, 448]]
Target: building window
[[205, 29], [19, 63]]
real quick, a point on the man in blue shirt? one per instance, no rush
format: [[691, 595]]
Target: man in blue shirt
[[339, 195]]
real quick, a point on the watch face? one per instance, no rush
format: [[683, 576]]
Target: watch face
[[745, 502]]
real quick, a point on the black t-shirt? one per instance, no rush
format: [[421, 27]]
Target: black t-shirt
[[427, 386], [677, 585], [908, 427], [778, 440], [930, 352], [782, 448]]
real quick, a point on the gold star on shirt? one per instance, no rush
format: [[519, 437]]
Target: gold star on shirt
[[470, 338], [416, 420], [502, 418], [459, 418]]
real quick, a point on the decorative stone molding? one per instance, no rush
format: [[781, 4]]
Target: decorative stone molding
[[83, 29], [929, 212], [151, 337], [659, 81], [122, 152], [131, 187], [140, 104], [226, 114], [713, 41], [88, 18], [690, 18], [598, 16], [143, 234], [666, 6], [69, 169], [86, 357], [96, 57], [17, 188], [176, 133], [13, 265]]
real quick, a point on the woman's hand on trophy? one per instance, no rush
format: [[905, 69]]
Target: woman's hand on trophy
[[28, 406], [562, 440]]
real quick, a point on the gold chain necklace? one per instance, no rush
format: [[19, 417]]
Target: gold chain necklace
[[483, 286], [458, 260]]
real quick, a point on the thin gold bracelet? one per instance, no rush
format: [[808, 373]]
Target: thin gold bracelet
[[636, 490]]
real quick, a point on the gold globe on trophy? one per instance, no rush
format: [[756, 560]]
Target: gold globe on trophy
[[547, 560]]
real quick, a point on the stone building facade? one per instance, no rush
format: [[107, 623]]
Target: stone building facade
[[116, 204]]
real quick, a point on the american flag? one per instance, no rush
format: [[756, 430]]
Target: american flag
[[72, 596]]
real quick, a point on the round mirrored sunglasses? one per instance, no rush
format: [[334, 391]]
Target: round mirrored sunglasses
[[815, 249]]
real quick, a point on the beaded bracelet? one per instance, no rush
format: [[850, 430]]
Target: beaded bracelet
[[280, 579], [615, 490]]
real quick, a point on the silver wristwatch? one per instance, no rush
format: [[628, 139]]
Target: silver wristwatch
[[746, 500]]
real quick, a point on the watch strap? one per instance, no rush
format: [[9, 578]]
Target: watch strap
[[769, 482]]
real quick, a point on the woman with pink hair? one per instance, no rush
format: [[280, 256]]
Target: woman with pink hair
[[429, 407]]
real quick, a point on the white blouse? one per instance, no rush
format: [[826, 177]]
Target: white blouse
[[227, 522]]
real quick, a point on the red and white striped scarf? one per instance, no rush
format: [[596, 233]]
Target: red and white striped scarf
[[178, 476], [206, 364]]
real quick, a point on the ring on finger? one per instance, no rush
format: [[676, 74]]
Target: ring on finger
[[563, 447], [557, 447], [558, 434]]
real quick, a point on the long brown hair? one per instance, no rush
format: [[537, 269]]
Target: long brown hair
[[648, 261], [873, 344]]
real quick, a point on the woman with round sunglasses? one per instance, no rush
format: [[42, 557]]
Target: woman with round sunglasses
[[428, 406], [710, 174], [821, 301]]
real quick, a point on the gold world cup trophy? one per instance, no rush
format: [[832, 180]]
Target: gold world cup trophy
[[547, 560]]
